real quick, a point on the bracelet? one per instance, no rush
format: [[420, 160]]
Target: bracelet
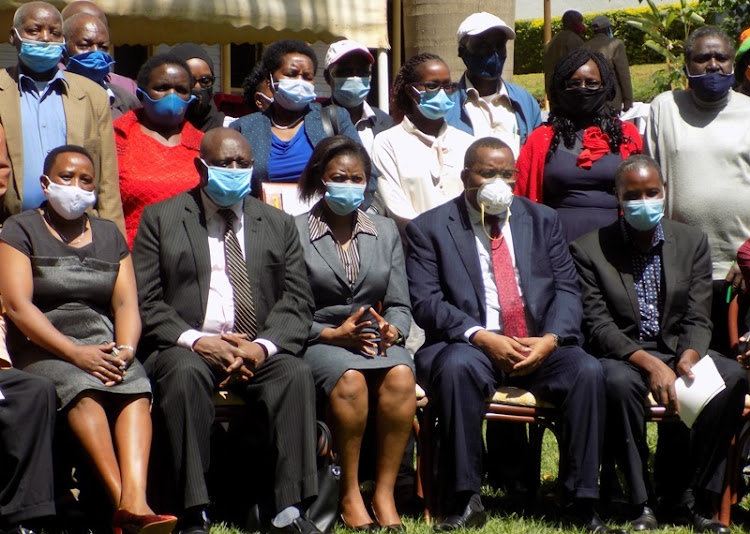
[[125, 347]]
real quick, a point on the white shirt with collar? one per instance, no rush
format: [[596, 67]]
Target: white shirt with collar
[[493, 115], [482, 240], [364, 126], [219, 317]]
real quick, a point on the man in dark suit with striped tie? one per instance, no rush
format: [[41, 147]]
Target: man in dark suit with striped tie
[[225, 302]]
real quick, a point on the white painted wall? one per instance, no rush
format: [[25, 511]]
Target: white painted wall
[[534, 9]]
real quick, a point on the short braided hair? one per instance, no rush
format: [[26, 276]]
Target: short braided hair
[[400, 99]]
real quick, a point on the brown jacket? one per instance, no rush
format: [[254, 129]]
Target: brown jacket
[[562, 43], [89, 125], [613, 51]]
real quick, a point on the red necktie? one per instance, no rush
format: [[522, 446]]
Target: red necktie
[[511, 306]]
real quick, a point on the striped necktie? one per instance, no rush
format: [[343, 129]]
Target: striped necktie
[[244, 311]]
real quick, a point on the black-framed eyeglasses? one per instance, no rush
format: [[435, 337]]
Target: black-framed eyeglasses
[[206, 81], [448, 87], [491, 174]]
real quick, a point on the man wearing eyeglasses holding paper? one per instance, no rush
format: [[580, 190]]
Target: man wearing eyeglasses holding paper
[[487, 105]]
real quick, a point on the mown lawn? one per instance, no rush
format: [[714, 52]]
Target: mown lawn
[[640, 75], [506, 516]]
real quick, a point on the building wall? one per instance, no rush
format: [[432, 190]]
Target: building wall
[[534, 9]]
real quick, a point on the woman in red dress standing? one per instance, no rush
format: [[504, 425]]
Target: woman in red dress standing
[[156, 146]]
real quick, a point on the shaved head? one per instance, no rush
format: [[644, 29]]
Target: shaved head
[[84, 6], [216, 137], [33, 9], [223, 147], [83, 23]]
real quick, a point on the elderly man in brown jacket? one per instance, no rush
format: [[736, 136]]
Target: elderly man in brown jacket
[[567, 39], [613, 51]]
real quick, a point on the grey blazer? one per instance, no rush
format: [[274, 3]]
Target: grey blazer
[[382, 277]]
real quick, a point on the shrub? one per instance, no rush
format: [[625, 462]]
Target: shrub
[[529, 50]]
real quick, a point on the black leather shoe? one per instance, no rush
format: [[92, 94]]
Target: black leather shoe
[[646, 521], [474, 515], [301, 525], [194, 521], [704, 524], [597, 526]]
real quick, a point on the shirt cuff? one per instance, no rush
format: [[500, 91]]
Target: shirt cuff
[[188, 338], [470, 332], [269, 345]]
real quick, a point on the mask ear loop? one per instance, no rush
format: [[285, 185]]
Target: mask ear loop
[[484, 227]]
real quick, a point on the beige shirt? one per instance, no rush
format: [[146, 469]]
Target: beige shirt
[[493, 116], [418, 171]]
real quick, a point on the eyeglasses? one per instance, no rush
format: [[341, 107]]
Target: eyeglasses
[[588, 84], [206, 81], [448, 87], [491, 174]]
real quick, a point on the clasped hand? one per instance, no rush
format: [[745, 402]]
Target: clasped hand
[[351, 334], [515, 356], [234, 355], [102, 362]]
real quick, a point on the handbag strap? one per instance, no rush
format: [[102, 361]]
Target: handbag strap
[[329, 116], [324, 439]]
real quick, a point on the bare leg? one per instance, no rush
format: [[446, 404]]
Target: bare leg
[[395, 416], [88, 421], [347, 414], [132, 435]]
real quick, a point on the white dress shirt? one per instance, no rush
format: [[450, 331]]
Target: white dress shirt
[[219, 317], [482, 240], [493, 116], [364, 127]]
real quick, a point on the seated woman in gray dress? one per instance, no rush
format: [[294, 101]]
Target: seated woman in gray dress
[[69, 291], [355, 264]]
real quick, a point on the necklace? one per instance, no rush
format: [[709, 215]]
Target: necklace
[[65, 239], [288, 126]]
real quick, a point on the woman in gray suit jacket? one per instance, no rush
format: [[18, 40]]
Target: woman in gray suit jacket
[[356, 269]]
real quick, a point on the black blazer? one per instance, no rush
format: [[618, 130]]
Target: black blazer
[[445, 278], [172, 268], [611, 315]]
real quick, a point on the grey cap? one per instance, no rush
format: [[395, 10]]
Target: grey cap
[[600, 22]]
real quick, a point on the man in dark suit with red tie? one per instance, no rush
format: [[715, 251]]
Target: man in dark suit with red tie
[[224, 300], [495, 289]]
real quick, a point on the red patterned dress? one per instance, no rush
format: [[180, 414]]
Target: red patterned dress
[[150, 171]]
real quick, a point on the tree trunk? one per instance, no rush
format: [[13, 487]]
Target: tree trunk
[[431, 25]]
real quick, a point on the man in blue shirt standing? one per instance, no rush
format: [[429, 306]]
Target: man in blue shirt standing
[[487, 104], [55, 108]]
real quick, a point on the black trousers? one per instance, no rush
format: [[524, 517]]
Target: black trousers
[[27, 422], [280, 397], [462, 378], [685, 458]]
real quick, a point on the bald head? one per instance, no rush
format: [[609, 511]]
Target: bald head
[[35, 10], [84, 6], [85, 33], [224, 147]]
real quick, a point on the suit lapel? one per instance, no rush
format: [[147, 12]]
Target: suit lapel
[[327, 251], [74, 115], [254, 246], [668, 261], [620, 254], [10, 116], [194, 222], [460, 230], [366, 245], [520, 227]]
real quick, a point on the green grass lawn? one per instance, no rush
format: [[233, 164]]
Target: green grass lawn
[[507, 518], [640, 76]]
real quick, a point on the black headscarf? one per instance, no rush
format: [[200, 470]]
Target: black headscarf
[[202, 113]]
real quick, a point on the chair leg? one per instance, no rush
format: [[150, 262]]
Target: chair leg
[[425, 462], [534, 459]]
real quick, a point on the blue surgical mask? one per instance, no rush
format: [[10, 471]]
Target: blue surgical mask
[[94, 65], [351, 92], [39, 56], [484, 66], [643, 214], [344, 198], [169, 110], [227, 186], [293, 94], [711, 87], [434, 105]]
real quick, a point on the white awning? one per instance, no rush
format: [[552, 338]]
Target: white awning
[[237, 21]]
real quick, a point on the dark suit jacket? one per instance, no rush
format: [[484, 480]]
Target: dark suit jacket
[[256, 128], [445, 279], [172, 267], [610, 303], [89, 124], [123, 101]]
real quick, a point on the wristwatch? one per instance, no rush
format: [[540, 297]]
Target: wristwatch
[[556, 338]]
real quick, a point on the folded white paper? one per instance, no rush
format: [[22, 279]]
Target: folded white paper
[[694, 395]]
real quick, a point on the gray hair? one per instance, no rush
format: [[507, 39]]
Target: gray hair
[[706, 31]]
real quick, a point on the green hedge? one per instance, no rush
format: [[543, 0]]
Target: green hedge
[[529, 49]]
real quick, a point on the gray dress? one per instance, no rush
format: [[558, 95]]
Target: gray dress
[[73, 288], [380, 282]]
